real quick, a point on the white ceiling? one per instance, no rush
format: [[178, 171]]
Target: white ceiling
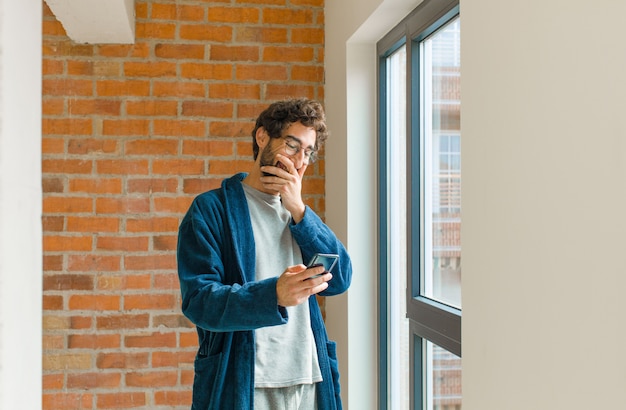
[[96, 21]]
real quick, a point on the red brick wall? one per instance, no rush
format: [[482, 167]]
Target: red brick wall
[[131, 133]]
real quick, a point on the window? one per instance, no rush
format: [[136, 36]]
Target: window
[[420, 210]]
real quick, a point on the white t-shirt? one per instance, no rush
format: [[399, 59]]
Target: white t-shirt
[[285, 354]]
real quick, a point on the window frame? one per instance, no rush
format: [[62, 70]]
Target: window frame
[[428, 319]]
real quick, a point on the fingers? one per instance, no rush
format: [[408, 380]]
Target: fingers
[[297, 283]]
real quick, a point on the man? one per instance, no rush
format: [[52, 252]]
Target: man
[[241, 248]]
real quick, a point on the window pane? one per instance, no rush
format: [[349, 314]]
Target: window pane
[[398, 328], [441, 150], [443, 378]]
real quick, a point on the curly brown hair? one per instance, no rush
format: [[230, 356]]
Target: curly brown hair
[[280, 115]]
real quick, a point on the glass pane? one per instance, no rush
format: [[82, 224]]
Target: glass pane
[[441, 150], [398, 331], [443, 379]]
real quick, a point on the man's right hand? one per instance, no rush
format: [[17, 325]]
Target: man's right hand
[[295, 285]]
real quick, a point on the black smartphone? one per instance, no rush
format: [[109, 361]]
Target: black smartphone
[[327, 260]]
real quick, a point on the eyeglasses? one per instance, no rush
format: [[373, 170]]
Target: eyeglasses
[[292, 147]]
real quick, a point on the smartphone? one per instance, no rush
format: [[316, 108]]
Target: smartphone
[[327, 260]]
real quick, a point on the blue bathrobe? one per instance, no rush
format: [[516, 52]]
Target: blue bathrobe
[[216, 268]]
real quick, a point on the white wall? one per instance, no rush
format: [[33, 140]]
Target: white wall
[[544, 204], [20, 204], [544, 199], [352, 29]]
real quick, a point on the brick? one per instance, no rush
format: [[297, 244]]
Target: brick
[[96, 185], [94, 302], [67, 282], [152, 262], [180, 51], [126, 127], [288, 16], [53, 106], [66, 400], [206, 32], [126, 244], [67, 204], [172, 321], [164, 242], [178, 167], [234, 53], [63, 361], [125, 282], [153, 147], [182, 89], [152, 224], [307, 35], [93, 263], [80, 322], [123, 322], [264, 72], [280, 91], [172, 205], [84, 146], [263, 2], [233, 14], [230, 128], [200, 185], [240, 92], [180, 128], [52, 67], [144, 30], [120, 400], [105, 107], [167, 281], [53, 342], [261, 34], [66, 166], [169, 359], [149, 302], [149, 69], [55, 145], [191, 13], [122, 205], [51, 322], [151, 340], [117, 88], [53, 28], [85, 381], [152, 108], [151, 185], [52, 302], [172, 398], [122, 360], [123, 167], [106, 341], [312, 3], [67, 126], [152, 379], [288, 54], [223, 167], [163, 11], [189, 339], [204, 148], [67, 87], [52, 381], [208, 109], [66, 48], [307, 73], [52, 263], [206, 71], [52, 185], [59, 243], [92, 224]]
